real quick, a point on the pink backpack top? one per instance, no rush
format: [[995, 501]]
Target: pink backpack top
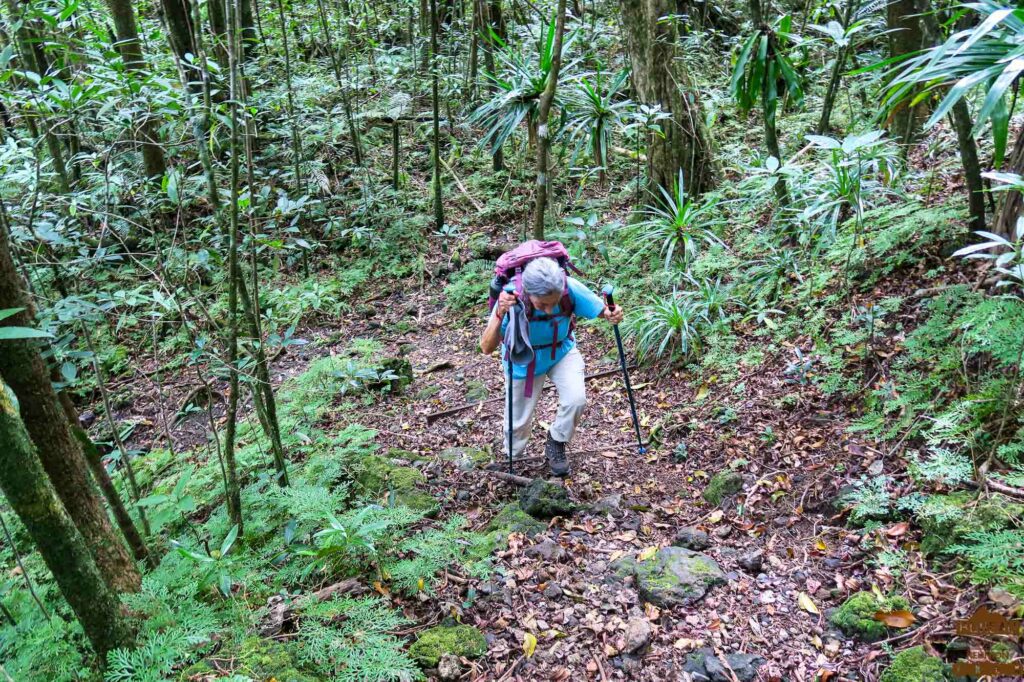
[[509, 268]]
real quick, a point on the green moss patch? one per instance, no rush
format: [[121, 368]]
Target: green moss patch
[[261, 659], [545, 500], [947, 519], [722, 485], [914, 665], [458, 640], [856, 617], [512, 519]]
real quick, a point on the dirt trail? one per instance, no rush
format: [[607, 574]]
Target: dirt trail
[[781, 548]]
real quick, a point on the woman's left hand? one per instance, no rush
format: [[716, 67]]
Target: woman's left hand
[[613, 314]]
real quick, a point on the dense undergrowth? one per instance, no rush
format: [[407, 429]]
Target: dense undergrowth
[[850, 285]]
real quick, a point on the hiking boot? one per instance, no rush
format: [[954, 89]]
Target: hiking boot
[[558, 462]]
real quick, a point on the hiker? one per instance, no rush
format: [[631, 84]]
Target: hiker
[[547, 289]]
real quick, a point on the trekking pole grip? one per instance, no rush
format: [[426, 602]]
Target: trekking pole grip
[[608, 292]]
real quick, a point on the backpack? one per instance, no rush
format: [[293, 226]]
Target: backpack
[[509, 268]]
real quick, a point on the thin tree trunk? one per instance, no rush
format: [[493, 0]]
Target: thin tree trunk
[[180, 31], [292, 117], [233, 492], [436, 181], [547, 98], [134, 63], [659, 78], [496, 23], [99, 472], [960, 117], [65, 551], [353, 131], [219, 29], [23, 369], [837, 72]]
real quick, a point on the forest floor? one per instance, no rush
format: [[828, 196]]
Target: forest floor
[[786, 552]]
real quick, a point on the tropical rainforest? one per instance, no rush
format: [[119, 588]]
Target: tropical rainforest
[[247, 432]]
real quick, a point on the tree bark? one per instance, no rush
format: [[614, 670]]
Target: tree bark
[[25, 485], [181, 34], [134, 63], [906, 36], [547, 98], [960, 116], [494, 21], [837, 73], [659, 79], [23, 369], [436, 180]]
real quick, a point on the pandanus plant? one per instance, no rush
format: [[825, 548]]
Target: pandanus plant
[[519, 81], [595, 112], [761, 76]]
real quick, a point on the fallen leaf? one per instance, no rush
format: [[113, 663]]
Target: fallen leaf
[[647, 553], [702, 392], [897, 529], [820, 544], [716, 516], [686, 644], [896, 619], [529, 644], [384, 591], [807, 604]]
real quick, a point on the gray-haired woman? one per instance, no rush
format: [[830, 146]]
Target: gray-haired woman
[[548, 289]]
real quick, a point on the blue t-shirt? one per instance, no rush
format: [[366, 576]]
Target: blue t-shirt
[[586, 304]]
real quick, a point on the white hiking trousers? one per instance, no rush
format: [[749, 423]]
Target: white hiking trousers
[[568, 377]]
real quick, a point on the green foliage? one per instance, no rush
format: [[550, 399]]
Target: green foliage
[[350, 640], [678, 225], [762, 71], [870, 500], [667, 326], [466, 292], [995, 557]]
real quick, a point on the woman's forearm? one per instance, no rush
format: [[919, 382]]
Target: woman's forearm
[[491, 337]]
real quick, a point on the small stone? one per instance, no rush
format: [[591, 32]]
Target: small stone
[[692, 538], [638, 634], [608, 504], [449, 667], [781, 521], [722, 532], [87, 418], [462, 495], [548, 550], [553, 591], [674, 576], [767, 597], [832, 562], [751, 562]]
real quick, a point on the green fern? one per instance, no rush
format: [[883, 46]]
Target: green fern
[[995, 557]]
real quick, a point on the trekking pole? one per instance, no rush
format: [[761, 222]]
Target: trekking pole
[[509, 289], [608, 290]]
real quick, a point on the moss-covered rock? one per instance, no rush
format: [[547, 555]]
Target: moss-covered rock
[[261, 659], [401, 368], [428, 391], [458, 640], [674, 576], [512, 519], [856, 617], [722, 485], [466, 458], [476, 391], [417, 500], [914, 665], [545, 500], [376, 476]]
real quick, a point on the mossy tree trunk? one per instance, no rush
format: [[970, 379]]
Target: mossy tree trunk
[[659, 79], [23, 369], [905, 37], [30, 493], [436, 121]]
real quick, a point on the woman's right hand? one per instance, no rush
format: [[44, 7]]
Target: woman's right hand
[[505, 301]]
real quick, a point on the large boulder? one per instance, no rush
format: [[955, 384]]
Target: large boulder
[[674, 576]]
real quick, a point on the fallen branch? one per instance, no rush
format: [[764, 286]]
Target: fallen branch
[[434, 416], [511, 478], [462, 188], [1009, 491]]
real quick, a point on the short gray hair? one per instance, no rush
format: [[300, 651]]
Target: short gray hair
[[543, 277]]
